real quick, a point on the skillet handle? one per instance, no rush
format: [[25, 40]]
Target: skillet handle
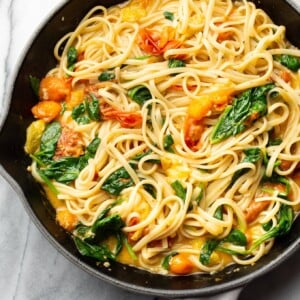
[[230, 295]]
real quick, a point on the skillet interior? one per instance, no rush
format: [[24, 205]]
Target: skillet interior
[[37, 61]]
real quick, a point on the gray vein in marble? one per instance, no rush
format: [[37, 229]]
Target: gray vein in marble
[[22, 260]]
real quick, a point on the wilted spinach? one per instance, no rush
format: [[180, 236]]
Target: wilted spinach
[[71, 58], [168, 15], [87, 111], [166, 261], [253, 155], [246, 109], [106, 76], [180, 191], [89, 240], [289, 61], [140, 94], [49, 141], [168, 142], [35, 85], [117, 182]]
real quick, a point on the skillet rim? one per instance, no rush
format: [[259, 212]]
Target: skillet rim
[[203, 291]]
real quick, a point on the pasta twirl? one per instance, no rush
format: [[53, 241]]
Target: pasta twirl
[[168, 134]]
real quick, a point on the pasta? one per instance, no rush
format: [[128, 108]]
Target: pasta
[[168, 134]]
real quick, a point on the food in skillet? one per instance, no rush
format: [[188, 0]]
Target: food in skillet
[[167, 137]]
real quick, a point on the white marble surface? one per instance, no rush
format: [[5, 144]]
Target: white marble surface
[[30, 268]]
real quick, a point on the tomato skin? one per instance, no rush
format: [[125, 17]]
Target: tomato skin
[[155, 42], [193, 130], [180, 264], [126, 119], [46, 110], [54, 88]]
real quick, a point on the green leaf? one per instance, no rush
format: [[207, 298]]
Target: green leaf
[[180, 191], [129, 248], [106, 76], [35, 84], [285, 221], [219, 213], [168, 15], [236, 237], [150, 189], [267, 226], [67, 169], [207, 250], [63, 170], [245, 110], [176, 63], [92, 148], [117, 182], [49, 141], [139, 156], [253, 155], [78, 114], [103, 227], [92, 108], [71, 58], [200, 195], [140, 94], [166, 261], [168, 142], [289, 61], [99, 252]]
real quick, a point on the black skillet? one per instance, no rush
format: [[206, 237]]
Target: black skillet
[[38, 59]]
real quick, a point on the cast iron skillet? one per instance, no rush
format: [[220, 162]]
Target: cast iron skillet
[[37, 61]]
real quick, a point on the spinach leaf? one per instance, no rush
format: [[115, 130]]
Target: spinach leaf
[[91, 236], [140, 94], [289, 61], [285, 220], [117, 182], [207, 250], [166, 261], [129, 248], [88, 111], [92, 148], [71, 58], [67, 169], [246, 109], [253, 155], [236, 237], [89, 153], [99, 252], [219, 213], [267, 226], [200, 195], [63, 170], [168, 142], [106, 76], [139, 156], [150, 189], [180, 191], [78, 114], [275, 142], [49, 141], [35, 85], [176, 63], [103, 227], [168, 15], [92, 108]]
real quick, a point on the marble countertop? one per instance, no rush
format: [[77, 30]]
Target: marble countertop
[[30, 268]]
